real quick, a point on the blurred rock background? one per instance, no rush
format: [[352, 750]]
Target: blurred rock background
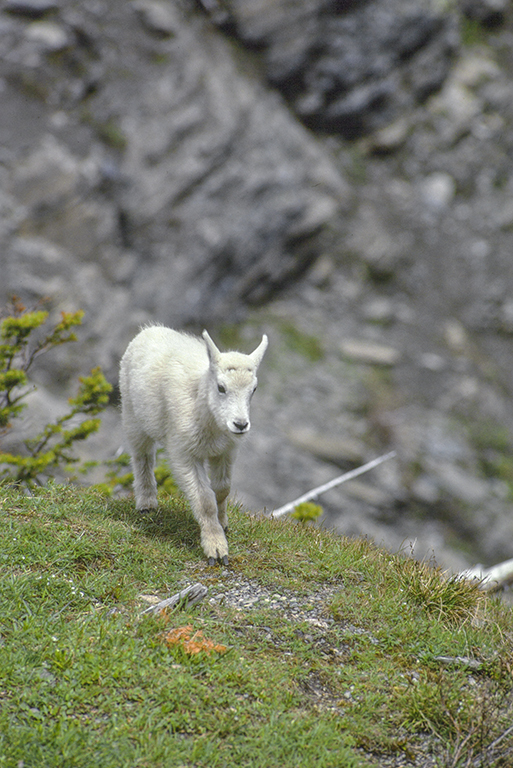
[[338, 173]]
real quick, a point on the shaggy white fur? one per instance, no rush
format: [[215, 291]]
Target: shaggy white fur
[[182, 392]]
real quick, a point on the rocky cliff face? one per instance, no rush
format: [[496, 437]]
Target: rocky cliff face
[[337, 173], [148, 172], [349, 67]]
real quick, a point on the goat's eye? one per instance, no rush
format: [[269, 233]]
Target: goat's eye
[[221, 389]]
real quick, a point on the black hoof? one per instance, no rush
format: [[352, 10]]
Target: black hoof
[[212, 561]]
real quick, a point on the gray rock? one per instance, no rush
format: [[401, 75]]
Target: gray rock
[[363, 351], [57, 189], [489, 12], [47, 175], [353, 68], [507, 316], [159, 18], [34, 9], [210, 151], [369, 494], [438, 190], [50, 37], [338, 450], [460, 484], [37, 268], [426, 489], [432, 362], [381, 246], [390, 138], [206, 195], [379, 310]]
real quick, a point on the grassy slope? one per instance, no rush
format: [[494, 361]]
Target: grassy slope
[[84, 681]]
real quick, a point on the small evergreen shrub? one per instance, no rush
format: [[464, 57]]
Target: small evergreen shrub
[[119, 477], [20, 346]]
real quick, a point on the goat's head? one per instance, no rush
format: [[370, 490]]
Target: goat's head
[[232, 382]]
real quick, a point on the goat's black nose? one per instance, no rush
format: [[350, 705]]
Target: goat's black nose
[[240, 425]]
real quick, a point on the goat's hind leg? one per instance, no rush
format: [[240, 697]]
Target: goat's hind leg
[[143, 451]]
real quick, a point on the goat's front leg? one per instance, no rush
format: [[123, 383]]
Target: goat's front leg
[[221, 478], [194, 481]]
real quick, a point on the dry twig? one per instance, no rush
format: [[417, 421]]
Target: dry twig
[[315, 492], [190, 595]]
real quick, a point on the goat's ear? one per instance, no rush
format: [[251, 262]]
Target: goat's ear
[[258, 354], [213, 352]]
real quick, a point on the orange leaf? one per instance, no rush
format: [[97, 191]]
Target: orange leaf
[[192, 645]]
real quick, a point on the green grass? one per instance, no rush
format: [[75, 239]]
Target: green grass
[[310, 347], [86, 681]]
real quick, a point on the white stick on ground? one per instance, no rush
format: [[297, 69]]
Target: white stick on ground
[[191, 595], [491, 579], [315, 492]]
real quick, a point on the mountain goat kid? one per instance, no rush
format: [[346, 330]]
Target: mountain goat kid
[[182, 392]]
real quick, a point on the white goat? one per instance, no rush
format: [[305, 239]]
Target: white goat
[[182, 392]]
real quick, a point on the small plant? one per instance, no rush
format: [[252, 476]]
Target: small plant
[[307, 512], [119, 476], [163, 476], [16, 357], [192, 643], [472, 32], [449, 598], [303, 343], [52, 447]]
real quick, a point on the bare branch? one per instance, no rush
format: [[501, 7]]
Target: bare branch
[[190, 595], [491, 579], [315, 492]]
